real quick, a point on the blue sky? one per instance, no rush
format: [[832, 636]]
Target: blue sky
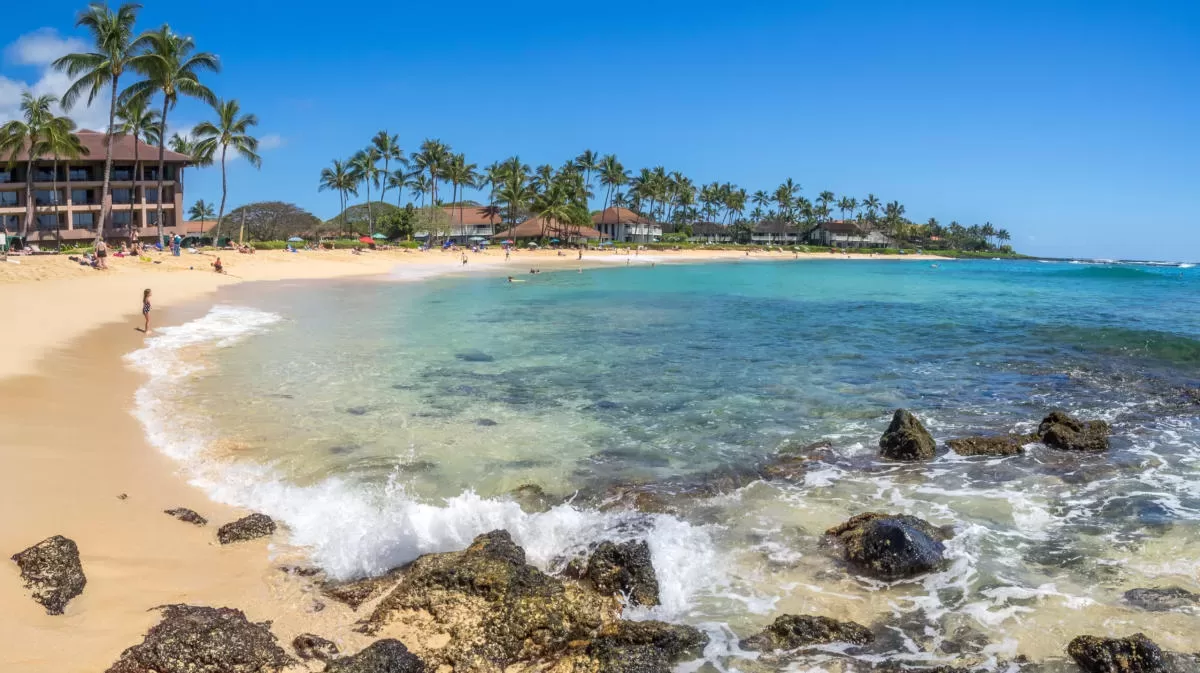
[[1071, 124]]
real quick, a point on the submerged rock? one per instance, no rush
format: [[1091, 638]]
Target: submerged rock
[[1061, 431], [906, 439], [187, 516], [639, 647], [356, 592], [1162, 599], [308, 646], [626, 569], [1135, 654], [532, 498], [788, 632], [485, 423], [890, 546], [196, 639], [497, 609], [792, 462], [474, 356], [246, 528], [381, 656], [52, 571], [1002, 445]]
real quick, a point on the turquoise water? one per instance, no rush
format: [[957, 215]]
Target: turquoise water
[[381, 420]]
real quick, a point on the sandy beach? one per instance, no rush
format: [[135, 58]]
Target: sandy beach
[[71, 449]]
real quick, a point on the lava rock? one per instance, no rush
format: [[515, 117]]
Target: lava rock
[[357, 411], [308, 646], [246, 528], [792, 462], [486, 423], [1002, 445], [198, 639], [381, 656], [890, 546], [1135, 654], [1061, 431], [640, 647], [356, 592], [788, 632], [532, 498], [52, 571], [187, 516], [906, 439], [474, 356], [1160, 599], [624, 568]]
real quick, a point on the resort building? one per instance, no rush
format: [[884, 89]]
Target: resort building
[[775, 232], [710, 232], [622, 224], [848, 234], [472, 222], [536, 228], [67, 205]]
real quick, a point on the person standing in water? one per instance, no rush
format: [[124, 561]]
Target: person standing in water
[[146, 310]]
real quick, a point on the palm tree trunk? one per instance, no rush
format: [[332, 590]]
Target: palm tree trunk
[[29, 203], [106, 189], [162, 148], [57, 224], [136, 172], [370, 220], [224, 191]]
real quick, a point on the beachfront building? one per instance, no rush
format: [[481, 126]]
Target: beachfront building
[[537, 228], [710, 232], [774, 232], [849, 234], [67, 205], [472, 222], [622, 224]]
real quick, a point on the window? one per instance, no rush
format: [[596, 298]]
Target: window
[[83, 220], [152, 217], [120, 218], [7, 176], [81, 197], [122, 173], [169, 171], [151, 195], [44, 197], [122, 195], [47, 221], [150, 173], [10, 222], [8, 198], [42, 174], [81, 174]]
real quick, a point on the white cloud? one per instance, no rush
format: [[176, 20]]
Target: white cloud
[[39, 49], [270, 141]]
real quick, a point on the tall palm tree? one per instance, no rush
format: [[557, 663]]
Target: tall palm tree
[[363, 165], [231, 130], [341, 179], [587, 162], [61, 143], [114, 46], [137, 120], [399, 179], [28, 135], [434, 158], [388, 148], [203, 211], [171, 66], [418, 182]]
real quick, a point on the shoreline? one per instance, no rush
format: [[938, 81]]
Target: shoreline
[[66, 477]]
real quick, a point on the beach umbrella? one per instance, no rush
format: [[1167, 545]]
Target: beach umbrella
[[531, 244], [295, 239], [555, 240], [607, 243], [507, 241], [379, 237]]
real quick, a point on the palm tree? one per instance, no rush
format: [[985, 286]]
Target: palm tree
[[136, 119], [399, 179], [363, 167], [114, 46], [389, 149], [418, 182], [587, 162], [30, 136], [170, 67], [871, 204], [231, 130], [434, 158], [339, 178], [62, 143], [203, 211]]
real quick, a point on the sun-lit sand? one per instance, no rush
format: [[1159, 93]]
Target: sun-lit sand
[[70, 447]]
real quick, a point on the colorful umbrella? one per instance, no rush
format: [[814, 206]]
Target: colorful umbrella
[[295, 239], [379, 237], [365, 239]]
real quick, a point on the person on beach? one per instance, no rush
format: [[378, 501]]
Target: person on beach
[[580, 254], [101, 254], [146, 310], [217, 266]]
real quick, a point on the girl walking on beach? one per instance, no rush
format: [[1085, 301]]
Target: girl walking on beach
[[146, 310]]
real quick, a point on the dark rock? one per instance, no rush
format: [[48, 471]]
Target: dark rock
[[626, 569], [246, 528], [123, 496], [792, 462], [52, 571], [1002, 445], [788, 632], [532, 498], [497, 609], [474, 356], [906, 439], [381, 656], [356, 592], [195, 639], [344, 449], [1061, 431], [308, 646], [1160, 599], [640, 647], [187, 516], [486, 423], [357, 411], [890, 546], [1135, 654]]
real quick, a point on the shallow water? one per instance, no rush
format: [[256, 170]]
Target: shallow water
[[384, 420]]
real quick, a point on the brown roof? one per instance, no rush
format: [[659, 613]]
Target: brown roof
[[773, 227], [535, 228], [841, 227], [471, 215], [618, 216], [709, 229], [198, 227], [122, 149]]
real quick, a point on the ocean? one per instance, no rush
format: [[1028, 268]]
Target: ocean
[[384, 419]]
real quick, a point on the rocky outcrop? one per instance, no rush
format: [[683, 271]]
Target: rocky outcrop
[[625, 569], [1162, 599], [195, 639], [52, 572], [1002, 445], [889, 546], [382, 656], [1061, 431], [788, 632], [906, 439], [792, 462], [309, 646], [1135, 654], [636, 647], [187, 516], [356, 592], [246, 528]]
